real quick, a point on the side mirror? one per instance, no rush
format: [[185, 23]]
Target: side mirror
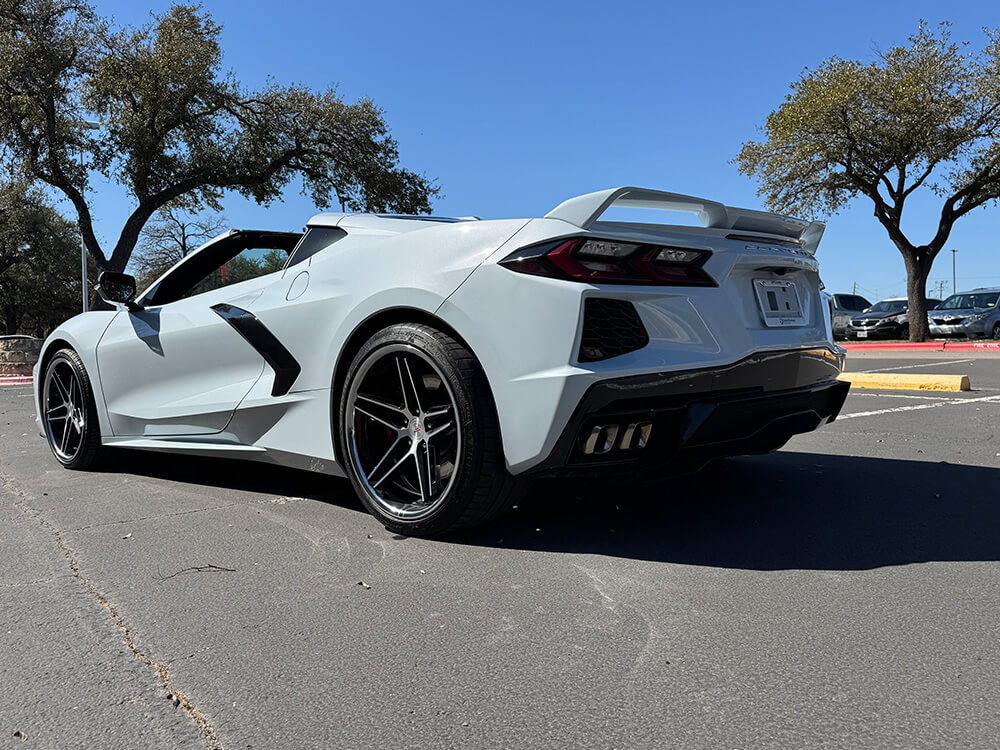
[[117, 289]]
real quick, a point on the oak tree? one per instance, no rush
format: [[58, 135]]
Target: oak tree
[[920, 116], [151, 109]]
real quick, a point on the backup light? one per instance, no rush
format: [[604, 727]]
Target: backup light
[[676, 255], [600, 261]]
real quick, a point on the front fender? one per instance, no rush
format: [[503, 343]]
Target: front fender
[[82, 334]]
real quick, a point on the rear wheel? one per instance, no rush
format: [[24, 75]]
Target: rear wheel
[[420, 435], [69, 413]]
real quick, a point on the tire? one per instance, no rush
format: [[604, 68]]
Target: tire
[[996, 330], [904, 333], [419, 434], [69, 413]]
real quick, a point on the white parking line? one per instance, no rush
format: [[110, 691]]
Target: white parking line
[[917, 407], [855, 394], [910, 367]]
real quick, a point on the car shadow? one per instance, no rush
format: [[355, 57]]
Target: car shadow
[[779, 512]]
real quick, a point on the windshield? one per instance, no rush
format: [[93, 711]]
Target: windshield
[[965, 301], [888, 306]]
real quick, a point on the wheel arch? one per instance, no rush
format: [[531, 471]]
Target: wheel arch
[[51, 347]]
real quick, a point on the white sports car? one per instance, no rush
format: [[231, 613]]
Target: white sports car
[[438, 363]]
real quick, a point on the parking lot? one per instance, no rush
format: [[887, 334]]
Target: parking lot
[[841, 593]]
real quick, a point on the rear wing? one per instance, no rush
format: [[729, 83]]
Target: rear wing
[[584, 210]]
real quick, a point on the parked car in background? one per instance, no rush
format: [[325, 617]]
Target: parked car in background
[[973, 314], [843, 307], [887, 319]]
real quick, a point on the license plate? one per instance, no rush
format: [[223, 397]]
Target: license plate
[[862, 334], [779, 302]]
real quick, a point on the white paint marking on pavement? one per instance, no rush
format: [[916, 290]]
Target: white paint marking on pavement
[[854, 394], [925, 364], [916, 407]]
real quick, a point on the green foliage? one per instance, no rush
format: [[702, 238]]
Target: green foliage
[[923, 115], [172, 129], [39, 263]]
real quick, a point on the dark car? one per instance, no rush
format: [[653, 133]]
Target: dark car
[[887, 319]]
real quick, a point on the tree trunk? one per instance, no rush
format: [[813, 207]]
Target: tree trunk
[[918, 268]]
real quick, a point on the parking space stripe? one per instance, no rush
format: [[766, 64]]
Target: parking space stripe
[[917, 407], [901, 395], [924, 364]]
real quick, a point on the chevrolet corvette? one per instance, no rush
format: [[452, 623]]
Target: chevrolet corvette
[[441, 363]]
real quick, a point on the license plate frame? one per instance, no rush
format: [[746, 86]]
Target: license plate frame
[[862, 334], [779, 302]]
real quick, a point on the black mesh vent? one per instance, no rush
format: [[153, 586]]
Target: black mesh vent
[[610, 327]]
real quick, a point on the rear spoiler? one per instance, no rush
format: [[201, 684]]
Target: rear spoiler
[[584, 210]]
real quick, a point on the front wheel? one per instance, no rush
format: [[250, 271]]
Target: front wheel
[[69, 413], [904, 333], [419, 433], [996, 330]]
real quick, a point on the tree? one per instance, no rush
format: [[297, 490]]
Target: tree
[[168, 237], [171, 128], [923, 116], [39, 263]]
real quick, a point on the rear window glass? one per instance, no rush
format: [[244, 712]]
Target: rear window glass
[[316, 239]]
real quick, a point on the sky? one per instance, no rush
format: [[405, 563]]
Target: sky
[[512, 107]]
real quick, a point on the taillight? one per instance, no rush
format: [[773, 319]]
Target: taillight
[[611, 262]]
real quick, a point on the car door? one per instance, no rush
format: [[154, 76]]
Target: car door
[[179, 366]]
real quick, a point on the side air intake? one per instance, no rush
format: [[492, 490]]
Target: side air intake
[[611, 327]]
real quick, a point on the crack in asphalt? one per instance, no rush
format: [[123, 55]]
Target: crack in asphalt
[[174, 695], [154, 517]]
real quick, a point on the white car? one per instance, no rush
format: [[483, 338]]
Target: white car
[[439, 363]]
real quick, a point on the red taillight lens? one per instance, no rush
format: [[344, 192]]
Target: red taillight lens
[[610, 262]]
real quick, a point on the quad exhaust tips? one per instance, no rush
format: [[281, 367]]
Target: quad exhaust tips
[[603, 438]]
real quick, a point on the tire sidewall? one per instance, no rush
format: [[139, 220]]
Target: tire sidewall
[[470, 458], [90, 441]]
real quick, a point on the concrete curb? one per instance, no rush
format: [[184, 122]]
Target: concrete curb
[[907, 382], [18, 380], [940, 346]]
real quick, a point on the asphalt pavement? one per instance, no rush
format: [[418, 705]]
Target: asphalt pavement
[[841, 593]]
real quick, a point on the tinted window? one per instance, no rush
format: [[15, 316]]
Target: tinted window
[[857, 303], [316, 239], [962, 301], [237, 256], [885, 306], [249, 264]]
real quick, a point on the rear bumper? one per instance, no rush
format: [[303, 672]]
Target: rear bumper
[[752, 406]]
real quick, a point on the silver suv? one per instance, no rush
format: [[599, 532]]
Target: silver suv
[[843, 307], [973, 314]]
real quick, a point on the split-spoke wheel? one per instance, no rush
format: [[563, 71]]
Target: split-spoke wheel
[[420, 434], [68, 412]]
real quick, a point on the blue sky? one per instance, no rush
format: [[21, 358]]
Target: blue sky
[[513, 107]]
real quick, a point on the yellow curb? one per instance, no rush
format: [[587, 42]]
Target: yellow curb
[[900, 382]]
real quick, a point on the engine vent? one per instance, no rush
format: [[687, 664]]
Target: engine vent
[[610, 327]]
